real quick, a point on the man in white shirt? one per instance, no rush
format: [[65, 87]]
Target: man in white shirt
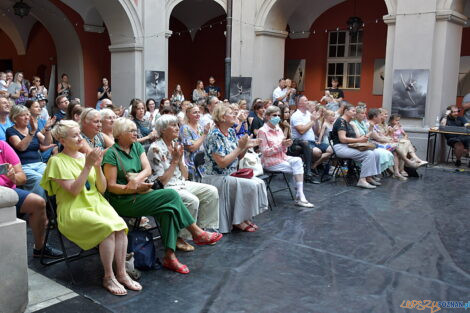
[[302, 122], [280, 93]]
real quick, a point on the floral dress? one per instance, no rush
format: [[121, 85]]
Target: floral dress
[[222, 145], [188, 136]]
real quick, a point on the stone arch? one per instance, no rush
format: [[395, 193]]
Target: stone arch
[[8, 26], [391, 6], [122, 21]]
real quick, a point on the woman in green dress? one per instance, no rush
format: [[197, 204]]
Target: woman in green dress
[[84, 215], [126, 168]]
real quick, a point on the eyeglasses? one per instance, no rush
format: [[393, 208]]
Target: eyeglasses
[[456, 111], [276, 115], [132, 131]]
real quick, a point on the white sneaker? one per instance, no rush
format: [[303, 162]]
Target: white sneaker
[[304, 204], [365, 185]]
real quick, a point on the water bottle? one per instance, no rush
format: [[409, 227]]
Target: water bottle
[[437, 122]]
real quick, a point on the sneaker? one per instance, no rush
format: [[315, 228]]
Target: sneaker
[[365, 185], [49, 252], [304, 204], [458, 163]]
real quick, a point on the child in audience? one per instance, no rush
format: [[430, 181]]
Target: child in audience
[[4, 84], [329, 119]]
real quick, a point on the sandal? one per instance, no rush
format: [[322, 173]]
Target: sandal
[[110, 282], [184, 246], [172, 264], [249, 228], [207, 238], [252, 225], [128, 283]]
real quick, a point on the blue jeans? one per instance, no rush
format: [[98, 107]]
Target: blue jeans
[[34, 172]]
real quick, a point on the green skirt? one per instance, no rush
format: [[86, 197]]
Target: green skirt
[[165, 205]]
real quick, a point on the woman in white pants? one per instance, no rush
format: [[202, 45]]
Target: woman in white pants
[[168, 165], [343, 134], [273, 147]]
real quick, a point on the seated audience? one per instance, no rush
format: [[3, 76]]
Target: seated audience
[[84, 215], [90, 124], [167, 162], [192, 137], [62, 102], [326, 127], [126, 168], [240, 199], [273, 147], [35, 111], [43, 103], [28, 203], [241, 126], [458, 142], [182, 114], [258, 119], [74, 110], [206, 118], [145, 134], [17, 89], [5, 123], [302, 122], [361, 127], [107, 121], [343, 134], [152, 113], [199, 94], [285, 121], [25, 139]]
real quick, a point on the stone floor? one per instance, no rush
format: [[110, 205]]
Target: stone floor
[[356, 251]]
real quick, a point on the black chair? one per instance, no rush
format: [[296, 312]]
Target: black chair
[[51, 209], [268, 177], [351, 175]]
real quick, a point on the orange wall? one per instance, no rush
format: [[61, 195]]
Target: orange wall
[[314, 48], [190, 61], [96, 55], [40, 53]]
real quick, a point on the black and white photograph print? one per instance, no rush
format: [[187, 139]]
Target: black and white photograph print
[[463, 86], [296, 72], [410, 88], [240, 89], [155, 85]]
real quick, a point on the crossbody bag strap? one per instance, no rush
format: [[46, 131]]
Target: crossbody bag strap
[[120, 161]]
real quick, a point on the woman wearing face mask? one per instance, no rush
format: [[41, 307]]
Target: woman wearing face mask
[[273, 147]]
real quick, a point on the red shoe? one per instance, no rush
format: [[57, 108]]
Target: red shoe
[[207, 238], [248, 228], [172, 264]]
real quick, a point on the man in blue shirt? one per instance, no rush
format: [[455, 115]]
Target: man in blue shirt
[[62, 103], [5, 122], [211, 89]]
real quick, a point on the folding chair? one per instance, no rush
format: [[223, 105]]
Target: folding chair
[[51, 209], [268, 177], [351, 175]]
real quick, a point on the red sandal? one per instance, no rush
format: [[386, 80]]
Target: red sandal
[[207, 238], [172, 264]]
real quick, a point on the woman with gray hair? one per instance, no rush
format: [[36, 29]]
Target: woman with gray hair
[[25, 139], [126, 168], [107, 121], [168, 166], [240, 199], [90, 124], [273, 147]]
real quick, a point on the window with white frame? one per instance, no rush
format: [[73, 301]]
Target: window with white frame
[[344, 58]]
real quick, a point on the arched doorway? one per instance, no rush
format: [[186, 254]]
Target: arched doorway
[[197, 45]]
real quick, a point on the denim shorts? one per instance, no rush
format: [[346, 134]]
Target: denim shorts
[[322, 146]]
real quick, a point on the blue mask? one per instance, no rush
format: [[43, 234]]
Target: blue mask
[[275, 120]]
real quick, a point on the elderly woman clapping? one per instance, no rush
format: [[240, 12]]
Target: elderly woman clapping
[[167, 162], [273, 147], [126, 168], [90, 124], [240, 198], [25, 138]]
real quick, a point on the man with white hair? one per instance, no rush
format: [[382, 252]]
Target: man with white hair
[[104, 103]]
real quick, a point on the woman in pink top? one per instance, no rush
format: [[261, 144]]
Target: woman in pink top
[[273, 148], [28, 203]]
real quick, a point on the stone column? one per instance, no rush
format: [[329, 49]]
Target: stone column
[[420, 36], [126, 72], [13, 259], [269, 59]]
